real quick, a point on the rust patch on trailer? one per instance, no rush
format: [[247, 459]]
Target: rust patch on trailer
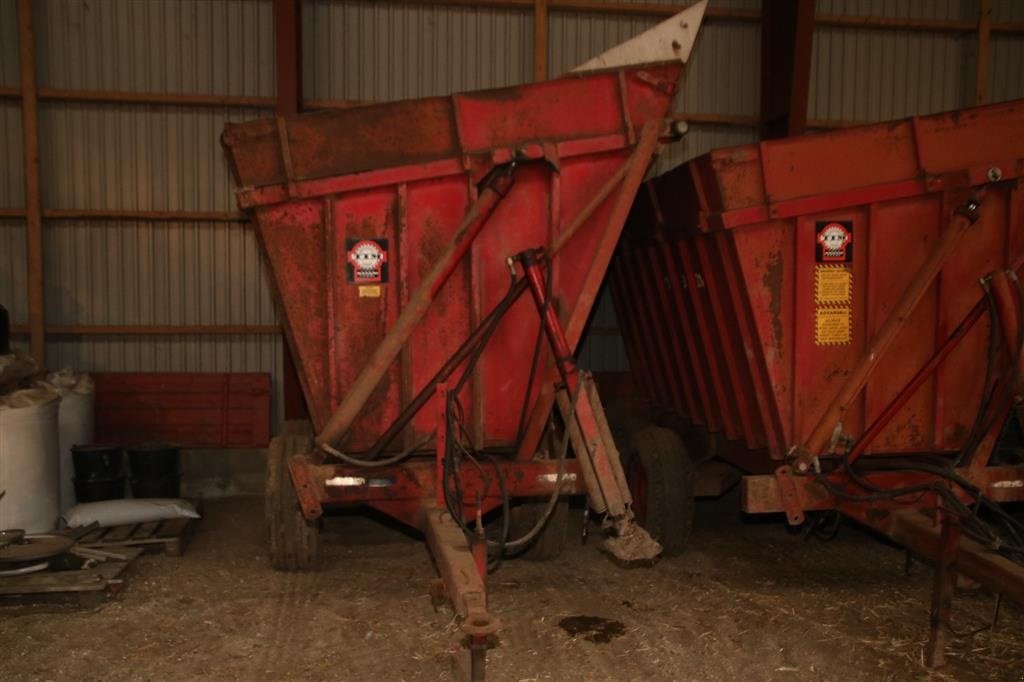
[[772, 281]]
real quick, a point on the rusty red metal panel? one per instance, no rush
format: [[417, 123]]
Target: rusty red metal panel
[[401, 176], [193, 410], [778, 327]]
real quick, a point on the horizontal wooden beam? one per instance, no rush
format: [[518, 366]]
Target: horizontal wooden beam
[[314, 104], [156, 98], [153, 330], [650, 9], [113, 214], [643, 9], [720, 13], [155, 216], [895, 23]]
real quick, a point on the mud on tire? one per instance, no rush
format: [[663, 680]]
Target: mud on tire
[[661, 479], [293, 542]]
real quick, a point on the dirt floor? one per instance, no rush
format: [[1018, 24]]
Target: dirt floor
[[749, 601]]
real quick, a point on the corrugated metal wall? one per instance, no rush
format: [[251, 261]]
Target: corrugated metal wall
[[12, 187], [145, 157], [871, 75], [385, 51], [149, 157], [1006, 68]]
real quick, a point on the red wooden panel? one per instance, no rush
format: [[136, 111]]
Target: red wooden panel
[[193, 410]]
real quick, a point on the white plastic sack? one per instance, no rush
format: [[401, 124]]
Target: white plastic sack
[[29, 457], [121, 512], [75, 422], [14, 368]]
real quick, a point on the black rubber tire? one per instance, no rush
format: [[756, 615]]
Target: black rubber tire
[[659, 455], [552, 538], [293, 542]]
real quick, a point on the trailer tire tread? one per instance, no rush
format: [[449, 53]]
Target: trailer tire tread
[[552, 539], [670, 480], [293, 542]]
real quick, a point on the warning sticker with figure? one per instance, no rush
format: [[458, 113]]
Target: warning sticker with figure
[[833, 241], [833, 285], [833, 326], [367, 260]]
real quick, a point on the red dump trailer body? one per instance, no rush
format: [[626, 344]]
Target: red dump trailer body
[[395, 181], [752, 327], [824, 302], [401, 239]]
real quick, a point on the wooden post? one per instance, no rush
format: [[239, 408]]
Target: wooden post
[[787, 35], [33, 202], [984, 50], [288, 59], [540, 40]]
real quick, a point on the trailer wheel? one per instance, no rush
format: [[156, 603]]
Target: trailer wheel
[[552, 538], [660, 474], [294, 542]]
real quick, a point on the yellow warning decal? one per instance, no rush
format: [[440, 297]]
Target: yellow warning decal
[[833, 285], [833, 326], [369, 291]]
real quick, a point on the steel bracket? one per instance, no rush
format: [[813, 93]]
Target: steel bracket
[[309, 501], [789, 493]]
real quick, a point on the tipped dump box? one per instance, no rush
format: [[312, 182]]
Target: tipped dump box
[[354, 208], [753, 281]]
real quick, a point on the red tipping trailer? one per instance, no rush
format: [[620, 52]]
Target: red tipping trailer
[[842, 312], [401, 238]]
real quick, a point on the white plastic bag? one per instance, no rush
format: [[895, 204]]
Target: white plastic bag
[[75, 423], [29, 458], [121, 512]]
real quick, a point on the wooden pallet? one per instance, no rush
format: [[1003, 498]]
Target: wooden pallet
[[170, 536], [105, 577]]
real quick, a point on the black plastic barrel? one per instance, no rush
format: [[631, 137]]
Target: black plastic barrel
[[98, 462], [99, 489], [5, 332], [155, 470]]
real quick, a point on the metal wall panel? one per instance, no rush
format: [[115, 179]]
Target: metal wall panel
[[223, 47], [1007, 10], [13, 284], [384, 51], [1006, 68], [12, 163], [149, 157], [136, 156], [9, 64], [919, 9], [876, 75]]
